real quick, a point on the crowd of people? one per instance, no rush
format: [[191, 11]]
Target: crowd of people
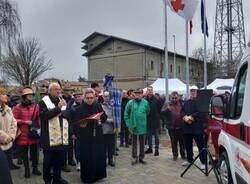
[[61, 126]]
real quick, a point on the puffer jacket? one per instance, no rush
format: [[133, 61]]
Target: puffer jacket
[[23, 115]]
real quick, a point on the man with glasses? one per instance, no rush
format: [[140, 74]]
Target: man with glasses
[[135, 116], [92, 152], [172, 115], [54, 134], [108, 130]]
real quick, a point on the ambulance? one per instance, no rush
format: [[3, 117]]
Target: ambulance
[[234, 138]]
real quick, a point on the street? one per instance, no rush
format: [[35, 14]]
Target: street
[[158, 170]]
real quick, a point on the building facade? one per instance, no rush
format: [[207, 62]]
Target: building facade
[[133, 64]]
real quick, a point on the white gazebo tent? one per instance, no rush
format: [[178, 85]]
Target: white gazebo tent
[[174, 84], [221, 85]]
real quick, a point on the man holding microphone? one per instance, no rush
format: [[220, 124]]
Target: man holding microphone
[[54, 134]]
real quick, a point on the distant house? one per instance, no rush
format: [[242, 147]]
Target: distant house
[[133, 64]]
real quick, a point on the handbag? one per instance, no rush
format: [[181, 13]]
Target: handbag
[[34, 131]]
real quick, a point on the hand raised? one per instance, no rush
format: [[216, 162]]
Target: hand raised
[[61, 103]]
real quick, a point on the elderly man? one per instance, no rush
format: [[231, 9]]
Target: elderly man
[[54, 134], [92, 152], [108, 130], [74, 127], [135, 117], [193, 127]]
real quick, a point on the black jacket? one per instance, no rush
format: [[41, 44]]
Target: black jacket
[[190, 108], [84, 111], [124, 103], [45, 116], [153, 119], [170, 117]]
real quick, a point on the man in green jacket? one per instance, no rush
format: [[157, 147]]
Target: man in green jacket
[[135, 116]]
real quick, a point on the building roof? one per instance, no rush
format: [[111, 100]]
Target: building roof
[[111, 37]]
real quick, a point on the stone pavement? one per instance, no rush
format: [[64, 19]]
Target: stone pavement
[[159, 170]]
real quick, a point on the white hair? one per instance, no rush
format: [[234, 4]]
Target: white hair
[[52, 85], [106, 93]]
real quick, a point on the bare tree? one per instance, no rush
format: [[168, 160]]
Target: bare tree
[[198, 53], [25, 62], [9, 23]]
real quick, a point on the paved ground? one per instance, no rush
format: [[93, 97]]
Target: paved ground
[[159, 170]]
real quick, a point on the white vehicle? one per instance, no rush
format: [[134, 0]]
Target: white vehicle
[[234, 139]]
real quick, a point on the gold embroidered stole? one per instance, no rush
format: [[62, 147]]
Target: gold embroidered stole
[[57, 136]]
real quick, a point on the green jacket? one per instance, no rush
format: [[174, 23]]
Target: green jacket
[[135, 116]]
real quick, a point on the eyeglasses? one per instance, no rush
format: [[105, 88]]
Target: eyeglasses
[[89, 98]]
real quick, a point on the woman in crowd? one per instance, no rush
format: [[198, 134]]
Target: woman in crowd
[[25, 113], [108, 130], [8, 129]]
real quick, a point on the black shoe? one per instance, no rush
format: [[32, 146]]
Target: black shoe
[[116, 153], [121, 145], [60, 181], [149, 150], [112, 164], [174, 158], [117, 149], [27, 173], [156, 153], [127, 145], [14, 167], [183, 157], [66, 168], [142, 161], [36, 172], [72, 163]]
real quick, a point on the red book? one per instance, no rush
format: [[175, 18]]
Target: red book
[[96, 117]]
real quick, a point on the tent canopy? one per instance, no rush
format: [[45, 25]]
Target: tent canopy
[[174, 84], [221, 85]]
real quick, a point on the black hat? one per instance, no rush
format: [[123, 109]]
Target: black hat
[[78, 93], [138, 90]]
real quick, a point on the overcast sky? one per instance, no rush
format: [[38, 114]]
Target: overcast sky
[[61, 25]]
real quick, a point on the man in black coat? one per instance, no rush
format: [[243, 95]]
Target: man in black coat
[[153, 121], [54, 134], [92, 151], [172, 115], [193, 127], [124, 134]]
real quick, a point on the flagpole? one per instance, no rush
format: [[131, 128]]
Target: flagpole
[[166, 52], [205, 44], [187, 61]]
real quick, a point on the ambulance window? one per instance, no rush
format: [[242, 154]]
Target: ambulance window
[[238, 94]]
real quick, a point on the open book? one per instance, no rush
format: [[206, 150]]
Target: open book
[[96, 117]]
